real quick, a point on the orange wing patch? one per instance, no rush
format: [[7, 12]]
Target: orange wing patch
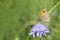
[[42, 12]]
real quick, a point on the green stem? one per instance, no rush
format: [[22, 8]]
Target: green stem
[[54, 7], [28, 37]]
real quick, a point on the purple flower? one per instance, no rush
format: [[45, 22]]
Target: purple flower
[[39, 30]]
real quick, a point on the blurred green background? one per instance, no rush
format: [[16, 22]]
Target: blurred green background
[[16, 16]]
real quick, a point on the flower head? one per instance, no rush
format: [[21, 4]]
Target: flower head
[[39, 30]]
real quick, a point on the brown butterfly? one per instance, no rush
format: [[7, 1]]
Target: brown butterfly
[[44, 16]]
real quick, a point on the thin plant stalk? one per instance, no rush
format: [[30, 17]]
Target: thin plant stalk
[[53, 7]]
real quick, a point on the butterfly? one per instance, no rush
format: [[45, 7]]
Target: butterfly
[[44, 16]]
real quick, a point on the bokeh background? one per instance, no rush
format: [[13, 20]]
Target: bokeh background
[[16, 17]]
